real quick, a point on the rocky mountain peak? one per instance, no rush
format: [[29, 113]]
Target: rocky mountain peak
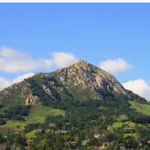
[[82, 63], [86, 76], [81, 81]]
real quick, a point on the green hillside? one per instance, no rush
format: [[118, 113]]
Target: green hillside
[[79, 107], [142, 108], [37, 115]]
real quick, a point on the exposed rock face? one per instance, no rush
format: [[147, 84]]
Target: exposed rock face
[[31, 100], [18, 92], [81, 81], [89, 77]]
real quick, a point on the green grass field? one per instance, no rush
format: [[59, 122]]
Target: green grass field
[[130, 125], [37, 115], [31, 134], [135, 135], [142, 108], [119, 124]]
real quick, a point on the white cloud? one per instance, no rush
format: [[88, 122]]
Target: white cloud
[[139, 87], [12, 61], [115, 66], [6, 82], [59, 60]]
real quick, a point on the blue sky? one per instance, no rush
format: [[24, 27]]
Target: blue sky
[[93, 32]]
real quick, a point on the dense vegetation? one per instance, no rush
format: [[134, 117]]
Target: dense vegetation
[[85, 125]]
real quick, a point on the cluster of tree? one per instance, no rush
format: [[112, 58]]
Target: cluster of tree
[[139, 142], [139, 117], [2, 121], [12, 141], [33, 126], [17, 112]]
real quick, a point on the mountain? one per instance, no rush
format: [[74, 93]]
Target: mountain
[[80, 107], [81, 81]]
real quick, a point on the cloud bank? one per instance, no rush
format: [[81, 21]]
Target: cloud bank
[[59, 60], [139, 87], [13, 61], [116, 66]]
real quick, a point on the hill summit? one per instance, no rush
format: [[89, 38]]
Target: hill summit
[[81, 81]]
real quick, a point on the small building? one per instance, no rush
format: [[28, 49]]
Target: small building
[[63, 131], [96, 136], [85, 142]]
